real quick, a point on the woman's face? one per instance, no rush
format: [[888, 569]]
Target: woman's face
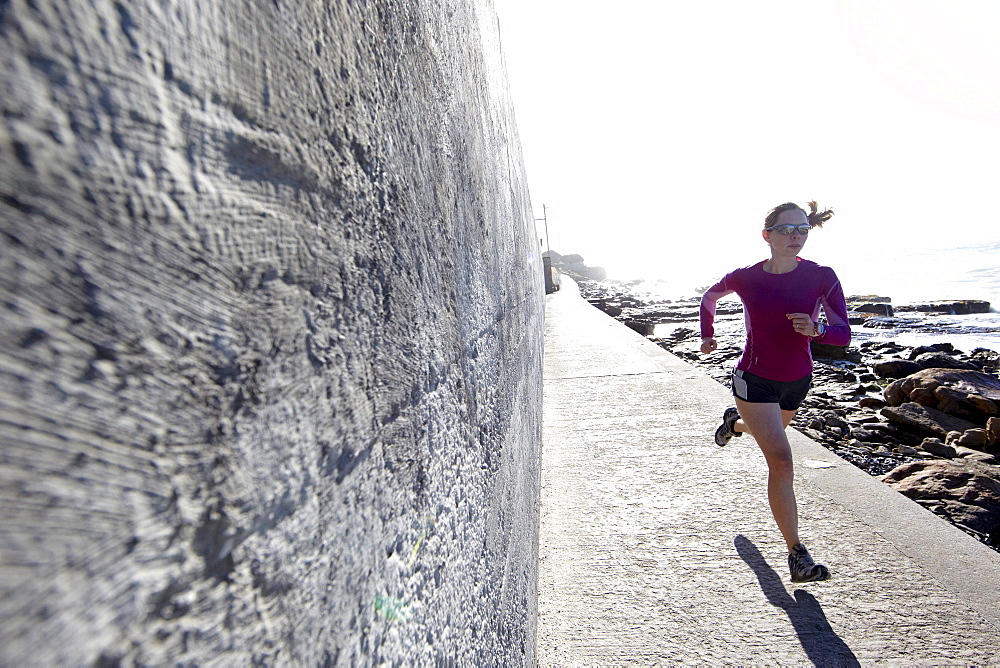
[[791, 244]]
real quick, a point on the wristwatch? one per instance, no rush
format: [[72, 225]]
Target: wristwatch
[[820, 330]]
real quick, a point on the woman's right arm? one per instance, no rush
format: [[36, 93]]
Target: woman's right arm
[[707, 313]]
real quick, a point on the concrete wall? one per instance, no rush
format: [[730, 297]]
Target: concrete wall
[[270, 339]]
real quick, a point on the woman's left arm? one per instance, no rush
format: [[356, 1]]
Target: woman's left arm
[[838, 329]]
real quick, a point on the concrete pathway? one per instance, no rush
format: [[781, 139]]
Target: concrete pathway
[[657, 546]]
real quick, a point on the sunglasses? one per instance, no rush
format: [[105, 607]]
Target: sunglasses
[[785, 230]]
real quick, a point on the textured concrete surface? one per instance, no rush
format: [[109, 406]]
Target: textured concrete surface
[[270, 336], [657, 546]]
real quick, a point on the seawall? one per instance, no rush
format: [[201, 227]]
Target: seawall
[[271, 341]]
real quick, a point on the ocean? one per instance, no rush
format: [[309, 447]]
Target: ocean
[[905, 276]]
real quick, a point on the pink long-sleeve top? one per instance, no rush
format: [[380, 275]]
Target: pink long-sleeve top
[[774, 350]]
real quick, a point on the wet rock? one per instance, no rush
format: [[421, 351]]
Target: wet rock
[[868, 307], [986, 360], [895, 368], [926, 419], [933, 348], [964, 492], [940, 360], [877, 322], [826, 351], [958, 307]]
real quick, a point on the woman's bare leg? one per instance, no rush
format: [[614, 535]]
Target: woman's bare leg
[[767, 423], [786, 419]]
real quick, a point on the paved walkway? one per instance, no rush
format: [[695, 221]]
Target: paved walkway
[[657, 546]]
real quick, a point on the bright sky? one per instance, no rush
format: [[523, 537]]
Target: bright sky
[[661, 132]]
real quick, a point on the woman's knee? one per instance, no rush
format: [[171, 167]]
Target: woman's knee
[[781, 466]]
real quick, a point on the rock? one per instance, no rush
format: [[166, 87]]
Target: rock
[[831, 419], [894, 394], [644, 328], [581, 270], [872, 402], [895, 368], [878, 322], [926, 419], [968, 394], [962, 491], [940, 360], [972, 438], [854, 299], [865, 435], [983, 405], [826, 351], [965, 381], [987, 360], [923, 396], [993, 431], [936, 447], [867, 419], [934, 348], [977, 456], [972, 406], [877, 309], [957, 307]]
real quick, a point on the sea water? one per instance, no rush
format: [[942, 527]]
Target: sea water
[[904, 276]]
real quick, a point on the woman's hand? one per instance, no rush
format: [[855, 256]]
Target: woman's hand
[[708, 345], [802, 323]]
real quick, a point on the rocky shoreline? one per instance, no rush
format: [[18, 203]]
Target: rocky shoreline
[[923, 419]]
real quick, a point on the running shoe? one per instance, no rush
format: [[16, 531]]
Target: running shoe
[[725, 430], [803, 568]]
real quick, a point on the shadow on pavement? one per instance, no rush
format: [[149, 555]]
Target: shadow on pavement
[[821, 644]]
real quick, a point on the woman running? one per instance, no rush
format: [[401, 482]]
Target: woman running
[[781, 298]]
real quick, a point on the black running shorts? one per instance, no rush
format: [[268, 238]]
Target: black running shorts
[[756, 390]]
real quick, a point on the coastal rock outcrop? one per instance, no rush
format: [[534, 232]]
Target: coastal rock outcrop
[[965, 492], [926, 419], [962, 392], [895, 368], [955, 307], [575, 266]]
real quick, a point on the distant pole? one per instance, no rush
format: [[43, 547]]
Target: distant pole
[[551, 278], [545, 217]]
